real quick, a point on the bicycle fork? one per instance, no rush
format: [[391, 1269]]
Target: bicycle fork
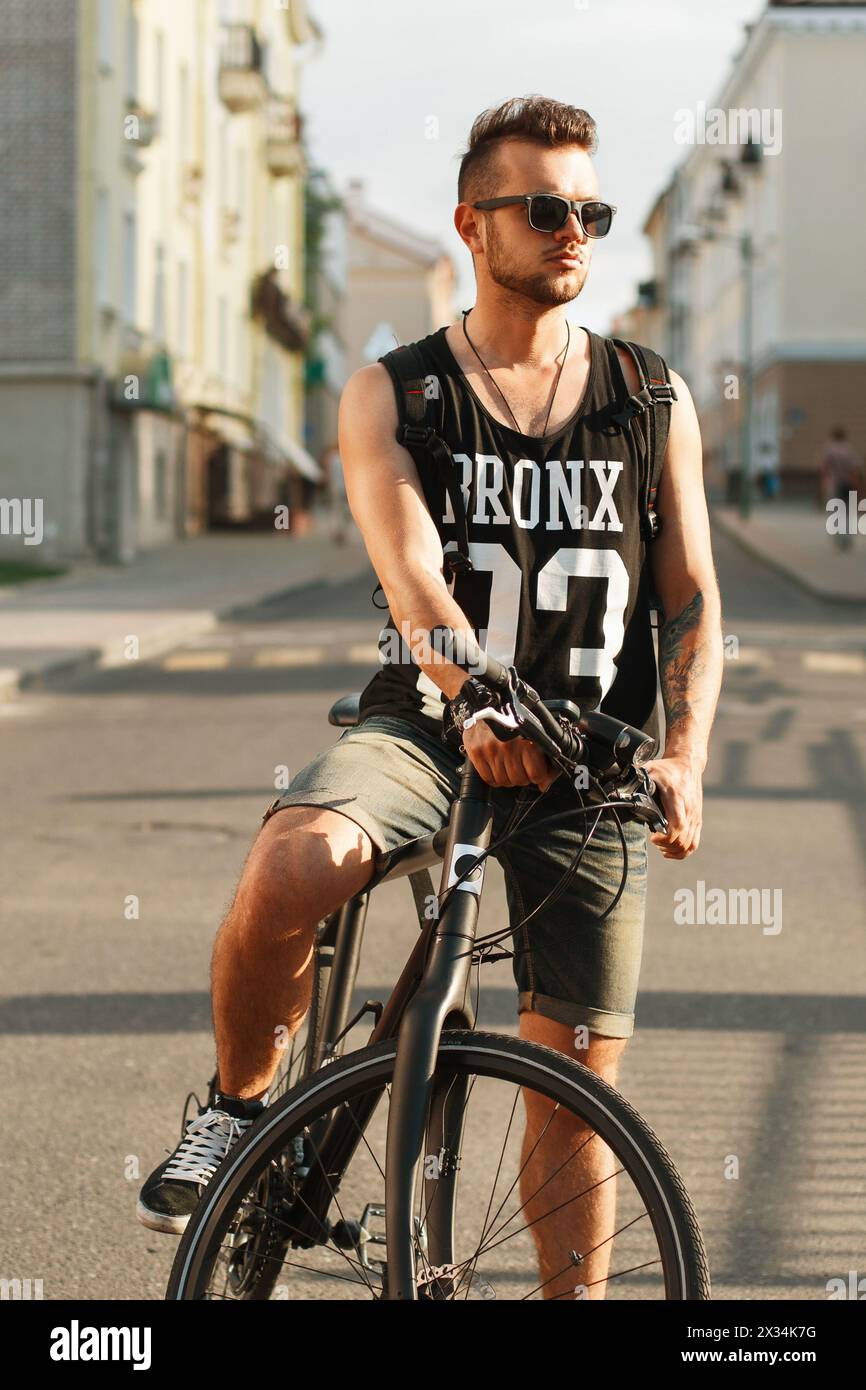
[[422, 1101]]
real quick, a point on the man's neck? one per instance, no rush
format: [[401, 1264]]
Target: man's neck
[[510, 330]]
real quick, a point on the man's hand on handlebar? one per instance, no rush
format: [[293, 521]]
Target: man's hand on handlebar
[[517, 763], [678, 788]]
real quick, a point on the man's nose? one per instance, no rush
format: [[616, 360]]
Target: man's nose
[[571, 229]]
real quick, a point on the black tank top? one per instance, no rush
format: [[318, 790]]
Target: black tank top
[[554, 528]]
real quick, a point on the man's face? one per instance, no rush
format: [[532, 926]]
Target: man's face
[[547, 267]]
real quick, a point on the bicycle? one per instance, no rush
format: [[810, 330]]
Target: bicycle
[[296, 1208]]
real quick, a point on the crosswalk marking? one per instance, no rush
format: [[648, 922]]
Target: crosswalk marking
[[217, 658], [752, 656], [835, 663], [212, 660], [288, 656], [364, 651]]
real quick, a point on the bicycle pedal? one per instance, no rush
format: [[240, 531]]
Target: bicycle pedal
[[368, 1237]]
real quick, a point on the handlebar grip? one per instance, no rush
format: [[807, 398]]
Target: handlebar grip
[[463, 650]]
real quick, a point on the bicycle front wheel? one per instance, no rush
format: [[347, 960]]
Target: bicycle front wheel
[[538, 1181]]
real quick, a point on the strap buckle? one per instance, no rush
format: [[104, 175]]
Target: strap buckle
[[656, 393], [662, 391], [416, 434], [456, 562]]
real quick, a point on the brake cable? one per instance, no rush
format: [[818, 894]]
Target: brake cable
[[549, 820]]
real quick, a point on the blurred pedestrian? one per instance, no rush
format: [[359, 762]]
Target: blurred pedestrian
[[768, 469], [841, 474]]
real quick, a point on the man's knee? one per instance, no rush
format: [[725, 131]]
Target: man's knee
[[309, 857]]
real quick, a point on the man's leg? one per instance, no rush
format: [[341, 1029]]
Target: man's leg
[[576, 965], [305, 863], [556, 1143]]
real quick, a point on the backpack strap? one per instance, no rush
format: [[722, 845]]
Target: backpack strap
[[652, 401], [416, 433]]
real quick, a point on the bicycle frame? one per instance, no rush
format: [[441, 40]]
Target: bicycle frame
[[431, 994]]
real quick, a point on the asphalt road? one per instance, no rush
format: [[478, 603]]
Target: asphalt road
[[749, 1058]]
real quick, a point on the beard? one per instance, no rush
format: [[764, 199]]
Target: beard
[[556, 286]]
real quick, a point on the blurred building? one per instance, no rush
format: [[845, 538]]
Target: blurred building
[[804, 208], [400, 285], [152, 328], [326, 241]]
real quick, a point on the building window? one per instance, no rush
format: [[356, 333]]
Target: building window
[[159, 78], [224, 193], [241, 352], [183, 122], [130, 253], [183, 308], [132, 57], [159, 294], [105, 33], [241, 182], [160, 478], [223, 334], [103, 280]]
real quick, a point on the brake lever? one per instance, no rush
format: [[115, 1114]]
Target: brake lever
[[635, 795], [508, 721], [647, 810]]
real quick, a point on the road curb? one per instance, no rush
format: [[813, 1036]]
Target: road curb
[[15, 680], [752, 547]]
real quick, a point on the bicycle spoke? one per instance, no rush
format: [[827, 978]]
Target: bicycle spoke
[[609, 1277], [548, 1179], [582, 1229], [535, 1221], [493, 1188]]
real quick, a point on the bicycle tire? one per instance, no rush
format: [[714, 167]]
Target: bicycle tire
[[563, 1079]]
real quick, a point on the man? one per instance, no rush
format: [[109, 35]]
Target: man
[[553, 515], [840, 471]]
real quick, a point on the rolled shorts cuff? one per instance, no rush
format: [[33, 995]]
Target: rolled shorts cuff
[[327, 801], [607, 1025]]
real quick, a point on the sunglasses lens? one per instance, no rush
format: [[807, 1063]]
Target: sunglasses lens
[[547, 213], [597, 218]]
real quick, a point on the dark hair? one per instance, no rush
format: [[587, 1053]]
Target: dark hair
[[536, 118], [838, 432]]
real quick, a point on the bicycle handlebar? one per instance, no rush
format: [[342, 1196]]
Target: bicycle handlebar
[[616, 750]]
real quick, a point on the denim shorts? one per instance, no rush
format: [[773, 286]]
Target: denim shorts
[[398, 782]]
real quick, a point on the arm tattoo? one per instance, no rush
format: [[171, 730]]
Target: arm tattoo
[[680, 661]]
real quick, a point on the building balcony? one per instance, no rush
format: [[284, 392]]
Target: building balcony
[[242, 85], [191, 179], [231, 225], [283, 145], [287, 323], [140, 126], [144, 381]]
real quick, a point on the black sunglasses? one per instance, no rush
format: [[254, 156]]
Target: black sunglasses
[[547, 212]]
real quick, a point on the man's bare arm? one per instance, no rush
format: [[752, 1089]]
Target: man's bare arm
[[387, 502], [690, 639], [405, 549]]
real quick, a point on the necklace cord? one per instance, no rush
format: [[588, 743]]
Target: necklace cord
[[466, 313]]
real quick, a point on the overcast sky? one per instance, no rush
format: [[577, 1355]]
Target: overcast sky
[[387, 67]]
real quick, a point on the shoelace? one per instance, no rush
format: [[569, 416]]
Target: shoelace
[[208, 1139]]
